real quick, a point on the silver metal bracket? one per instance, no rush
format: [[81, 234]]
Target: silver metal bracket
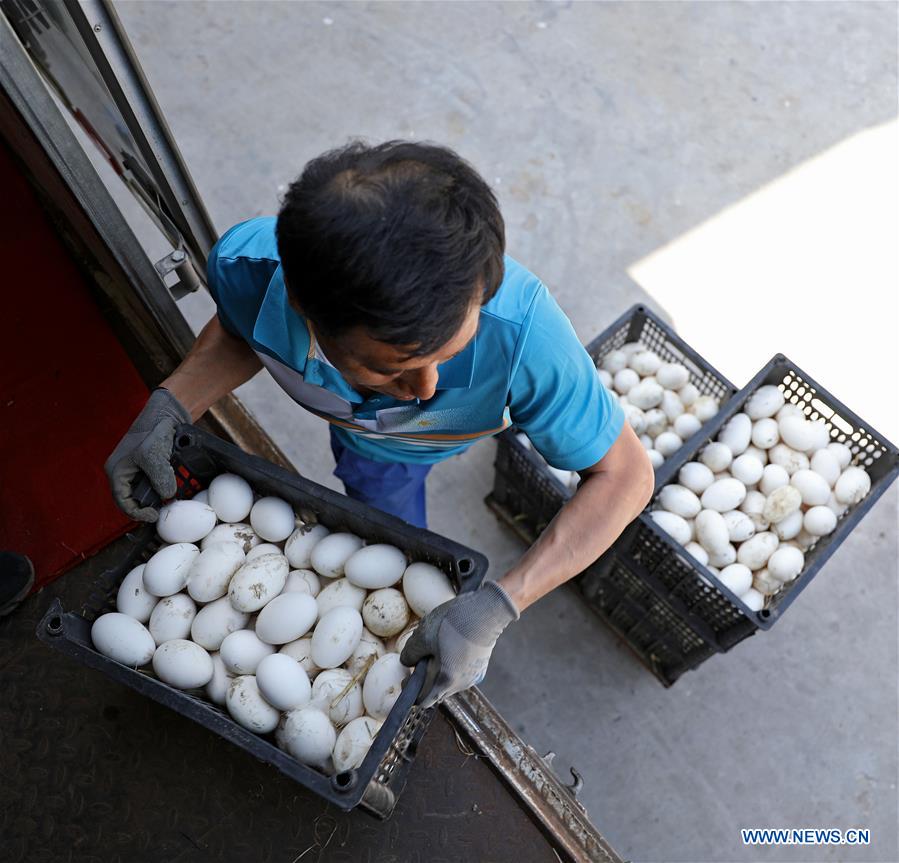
[[177, 261]]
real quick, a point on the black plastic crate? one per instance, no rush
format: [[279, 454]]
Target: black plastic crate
[[526, 494], [198, 457], [662, 634], [689, 587]]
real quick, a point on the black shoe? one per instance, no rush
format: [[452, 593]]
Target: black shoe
[[16, 580]]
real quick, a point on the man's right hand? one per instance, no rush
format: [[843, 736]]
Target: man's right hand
[[147, 447]]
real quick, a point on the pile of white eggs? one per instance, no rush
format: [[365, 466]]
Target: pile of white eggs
[[660, 404], [292, 628], [757, 499]]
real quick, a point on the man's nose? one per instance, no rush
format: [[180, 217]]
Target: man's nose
[[422, 383]]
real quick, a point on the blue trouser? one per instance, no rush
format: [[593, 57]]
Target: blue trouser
[[393, 487]]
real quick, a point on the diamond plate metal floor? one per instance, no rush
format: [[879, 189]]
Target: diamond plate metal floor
[[94, 773]]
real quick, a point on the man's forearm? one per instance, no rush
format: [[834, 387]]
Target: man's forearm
[[584, 528], [216, 364]]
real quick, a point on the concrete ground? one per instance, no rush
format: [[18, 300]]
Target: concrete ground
[[608, 130]]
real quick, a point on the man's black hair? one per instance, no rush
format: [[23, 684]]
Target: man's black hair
[[398, 238]]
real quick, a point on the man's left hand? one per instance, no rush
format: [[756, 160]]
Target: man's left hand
[[459, 636]]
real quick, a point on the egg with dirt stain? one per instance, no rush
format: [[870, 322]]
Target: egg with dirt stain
[[383, 685], [240, 533], [385, 612], [185, 521], [172, 617], [247, 706], [258, 581], [331, 554]]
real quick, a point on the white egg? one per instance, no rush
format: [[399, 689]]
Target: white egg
[[635, 418], [172, 617], [724, 495], [631, 348], [283, 682], [821, 435], [425, 587], [764, 402], [673, 406], [625, 380], [185, 521], [679, 500], [736, 433], [132, 599], [841, 453], [753, 599], [605, 379], [213, 569], [789, 527], [331, 554], [789, 459], [300, 543], [202, 496], [740, 526], [716, 457], [655, 422], [646, 394], [240, 533], [686, 425], [724, 557], [231, 497], [247, 706], [754, 506], [402, 638], [375, 566], [814, 489], [385, 612], [698, 552], [786, 563], [301, 651], [645, 363], [773, 478], [339, 593], [337, 694], [242, 651], [755, 552], [369, 646], [668, 443], [747, 468], [688, 395], [789, 410], [696, 477], [736, 577], [837, 507], [672, 376], [851, 487], [308, 735], [286, 618], [781, 502], [797, 433], [614, 361], [123, 639], [757, 453], [263, 548], [674, 525], [711, 532], [336, 636], [704, 408], [168, 570], [765, 433], [258, 582], [217, 688], [819, 521], [353, 743], [656, 459], [302, 581], [825, 464], [182, 664], [216, 621], [273, 519], [383, 685]]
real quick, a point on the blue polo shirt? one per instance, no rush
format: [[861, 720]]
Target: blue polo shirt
[[525, 366]]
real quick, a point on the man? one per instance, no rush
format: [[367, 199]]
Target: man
[[380, 299]]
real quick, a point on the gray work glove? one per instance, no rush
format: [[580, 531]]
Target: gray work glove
[[147, 447], [459, 636]]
